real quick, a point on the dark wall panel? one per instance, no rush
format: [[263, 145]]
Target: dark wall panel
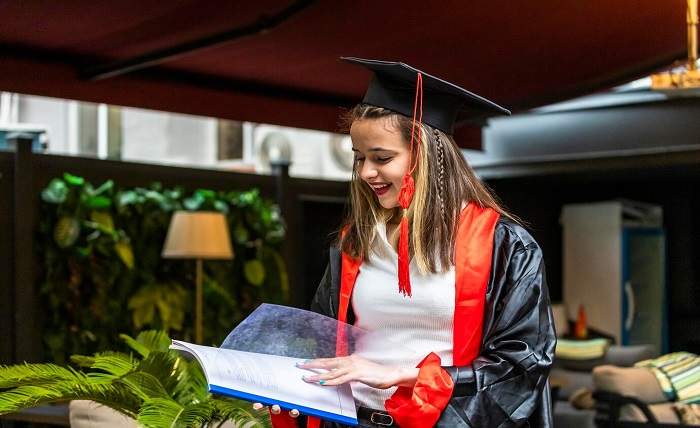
[[321, 220], [315, 213], [6, 257], [538, 200]]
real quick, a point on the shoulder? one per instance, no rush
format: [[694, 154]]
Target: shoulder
[[513, 235], [515, 251]]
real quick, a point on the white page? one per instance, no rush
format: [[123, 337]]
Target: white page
[[269, 376]]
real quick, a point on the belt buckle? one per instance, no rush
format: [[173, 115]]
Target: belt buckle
[[382, 419]]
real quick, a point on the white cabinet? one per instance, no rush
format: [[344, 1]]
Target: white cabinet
[[614, 265]]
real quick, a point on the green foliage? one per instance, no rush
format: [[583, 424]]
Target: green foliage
[[158, 387], [159, 301], [103, 271]]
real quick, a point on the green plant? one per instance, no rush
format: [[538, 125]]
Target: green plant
[[151, 384], [102, 269]]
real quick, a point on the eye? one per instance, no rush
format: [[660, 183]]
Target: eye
[[383, 159]]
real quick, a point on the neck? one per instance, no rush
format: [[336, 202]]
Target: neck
[[394, 216]]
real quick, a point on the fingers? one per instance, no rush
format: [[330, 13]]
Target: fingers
[[338, 380], [328, 376], [257, 406], [322, 363], [275, 409], [294, 413]]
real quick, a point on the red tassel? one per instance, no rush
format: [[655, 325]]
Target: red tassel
[[408, 188], [404, 277]]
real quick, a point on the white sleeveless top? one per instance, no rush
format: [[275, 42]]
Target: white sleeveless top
[[417, 325]]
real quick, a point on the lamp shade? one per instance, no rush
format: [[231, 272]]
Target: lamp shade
[[198, 235]]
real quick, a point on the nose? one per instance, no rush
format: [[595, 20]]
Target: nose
[[367, 170]]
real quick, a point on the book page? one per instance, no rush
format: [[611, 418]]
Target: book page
[[270, 376]]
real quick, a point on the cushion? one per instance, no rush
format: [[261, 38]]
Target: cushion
[[627, 356], [635, 382], [624, 356], [89, 414]]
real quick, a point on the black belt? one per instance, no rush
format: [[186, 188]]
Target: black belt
[[375, 418]]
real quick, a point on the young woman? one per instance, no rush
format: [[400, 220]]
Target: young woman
[[428, 258]]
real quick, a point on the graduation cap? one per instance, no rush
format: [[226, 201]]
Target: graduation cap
[[394, 87], [401, 88]]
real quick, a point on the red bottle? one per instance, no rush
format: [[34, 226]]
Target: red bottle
[[580, 328]]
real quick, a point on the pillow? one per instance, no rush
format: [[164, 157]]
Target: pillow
[[627, 356], [90, 414], [638, 382], [624, 356]]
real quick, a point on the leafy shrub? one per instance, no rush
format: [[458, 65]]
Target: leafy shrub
[[102, 270]]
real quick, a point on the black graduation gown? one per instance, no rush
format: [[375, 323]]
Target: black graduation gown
[[506, 385]]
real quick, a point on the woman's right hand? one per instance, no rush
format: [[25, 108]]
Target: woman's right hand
[[275, 409]]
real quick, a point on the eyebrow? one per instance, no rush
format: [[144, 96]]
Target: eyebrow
[[376, 149]]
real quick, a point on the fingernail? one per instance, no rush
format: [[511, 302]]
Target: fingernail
[[321, 382], [294, 413]]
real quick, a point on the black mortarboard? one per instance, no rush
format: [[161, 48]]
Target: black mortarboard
[[394, 87]]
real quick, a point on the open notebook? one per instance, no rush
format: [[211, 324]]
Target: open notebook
[[270, 379]]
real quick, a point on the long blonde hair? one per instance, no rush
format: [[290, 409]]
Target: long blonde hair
[[444, 183]]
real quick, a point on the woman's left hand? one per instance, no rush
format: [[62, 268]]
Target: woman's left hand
[[354, 368]]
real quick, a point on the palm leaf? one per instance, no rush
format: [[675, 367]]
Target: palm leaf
[[115, 363], [241, 413], [36, 374], [144, 385], [167, 413], [164, 366], [192, 385], [100, 378], [114, 396], [83, 361], [161, 390], [135, 345], [154, 340]]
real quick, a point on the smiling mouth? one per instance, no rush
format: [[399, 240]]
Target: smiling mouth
[[381, 189]]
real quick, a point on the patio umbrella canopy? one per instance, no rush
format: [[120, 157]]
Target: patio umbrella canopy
[[277, 61]]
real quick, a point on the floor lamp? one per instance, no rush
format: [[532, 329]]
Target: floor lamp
[[199, 235]]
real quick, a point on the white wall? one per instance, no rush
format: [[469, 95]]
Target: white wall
[[311, 152], [171, 138], [168, 137], [51, 114]]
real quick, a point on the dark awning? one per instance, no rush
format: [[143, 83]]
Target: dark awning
[[280, 63]]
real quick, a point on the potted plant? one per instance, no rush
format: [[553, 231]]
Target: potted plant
[[153, 385]]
